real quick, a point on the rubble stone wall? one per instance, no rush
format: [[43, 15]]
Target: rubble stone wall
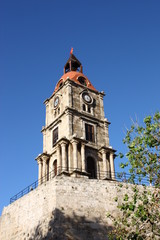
[[63, 208]]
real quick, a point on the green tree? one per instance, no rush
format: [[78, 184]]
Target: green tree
[[140, 211]]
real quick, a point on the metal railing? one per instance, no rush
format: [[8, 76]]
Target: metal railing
[[78, 173]]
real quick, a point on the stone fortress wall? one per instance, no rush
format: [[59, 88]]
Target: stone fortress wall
[[63, 208]]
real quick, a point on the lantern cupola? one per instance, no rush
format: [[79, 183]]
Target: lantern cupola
[[73, 64]]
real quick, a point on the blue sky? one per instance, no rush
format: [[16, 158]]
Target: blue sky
[[118, 43]]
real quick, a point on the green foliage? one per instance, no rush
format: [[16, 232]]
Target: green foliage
[[140, 216], [116, 199], [120, 185], [143, 154], [125, 197], [121, 155], [140, 209]]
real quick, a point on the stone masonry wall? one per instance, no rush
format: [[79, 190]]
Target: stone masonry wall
[[21, 217], [63, 208]]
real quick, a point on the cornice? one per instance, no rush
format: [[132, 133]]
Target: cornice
[[62, 140], [75, 138], [83, 115], [53, 124], [42, 155], [107, 149], [69, 110]]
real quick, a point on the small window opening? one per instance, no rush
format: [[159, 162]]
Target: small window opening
[[61, 84], [89, 129], [58, 110], [82, 81], [84, 107], [55, 168], [89, 109], [55, 135]]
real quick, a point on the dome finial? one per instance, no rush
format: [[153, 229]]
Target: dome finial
[[71, 52], [73, 64]]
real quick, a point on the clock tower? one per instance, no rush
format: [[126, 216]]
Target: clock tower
[[75, 135]]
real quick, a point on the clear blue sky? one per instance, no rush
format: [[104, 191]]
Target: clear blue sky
[[118, 43]]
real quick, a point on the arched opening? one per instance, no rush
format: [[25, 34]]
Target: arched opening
[[55, 168], [91, 168], [61, 83], [47, 170], [82, 81]]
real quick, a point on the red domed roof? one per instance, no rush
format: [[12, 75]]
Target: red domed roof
[[77, 77]]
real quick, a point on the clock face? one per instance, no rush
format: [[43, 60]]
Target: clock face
[[56, 101], [87, 97]]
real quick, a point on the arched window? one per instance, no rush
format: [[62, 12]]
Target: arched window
[[55, 168], [91, 167], [61, 84], [47, 177], [82, 81]]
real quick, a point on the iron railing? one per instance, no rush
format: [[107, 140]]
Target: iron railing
[[78, 173]]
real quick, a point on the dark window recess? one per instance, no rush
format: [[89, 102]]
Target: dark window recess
[[55, 167], [55, 135], [89, 109], [84, 107], [82, 81], [58, 110], [89, 132], [91, 168], [47, 170], [61, 84]]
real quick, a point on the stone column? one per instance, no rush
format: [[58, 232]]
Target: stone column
[[83, 157], [39, 161], [108, 168], [64, 157], [92, 112], [47, 113], [101, 104], [106, 132], [69, 124], [69, 95], [44, 170], [75, 154], [104, 164], [69, 158], [45, 158], [112, 166], [59, 165]]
